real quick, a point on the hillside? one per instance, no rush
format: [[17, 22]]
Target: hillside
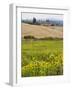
[[40, 31]]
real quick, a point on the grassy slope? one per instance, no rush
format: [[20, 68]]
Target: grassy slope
[[41, 46], [45, 55], [40, 31]]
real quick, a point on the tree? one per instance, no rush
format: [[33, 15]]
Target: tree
[[34, 20], [47, 20]]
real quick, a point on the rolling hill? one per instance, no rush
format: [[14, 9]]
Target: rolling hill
[[41, 31]]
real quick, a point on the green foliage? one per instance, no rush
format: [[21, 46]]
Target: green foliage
[[41, 58], [44, 38]]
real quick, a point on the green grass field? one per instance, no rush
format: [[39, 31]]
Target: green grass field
[[41, 58]]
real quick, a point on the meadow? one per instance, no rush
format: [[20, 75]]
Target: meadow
[[41, 57]]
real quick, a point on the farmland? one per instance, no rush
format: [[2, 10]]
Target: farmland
[[40, 31], [41, 57]]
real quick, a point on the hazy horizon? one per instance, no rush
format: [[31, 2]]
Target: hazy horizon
[[38, 16]]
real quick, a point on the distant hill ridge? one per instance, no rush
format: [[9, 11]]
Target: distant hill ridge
[[47, 21]]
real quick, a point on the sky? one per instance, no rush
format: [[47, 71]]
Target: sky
[[42, 16]]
